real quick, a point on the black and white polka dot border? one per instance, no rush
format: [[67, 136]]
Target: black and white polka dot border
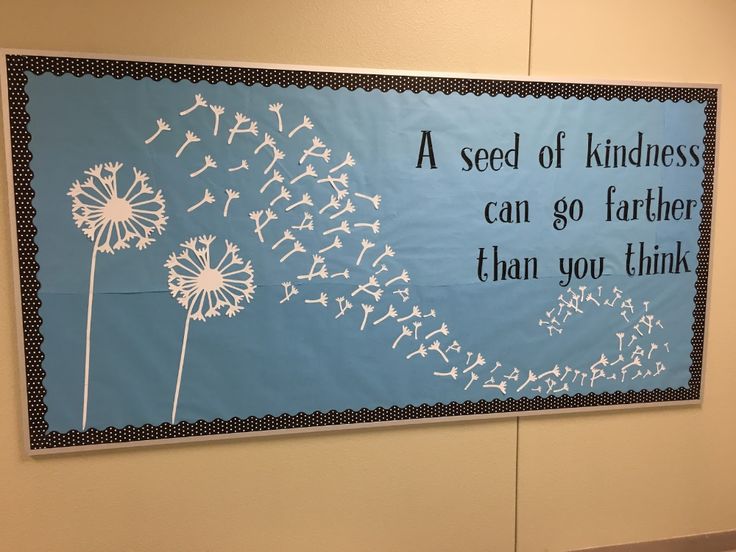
[[40, 438]]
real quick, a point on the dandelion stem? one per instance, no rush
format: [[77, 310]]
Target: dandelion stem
[[181, 362], [90, 298]]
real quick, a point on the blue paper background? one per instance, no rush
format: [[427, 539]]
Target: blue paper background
[[292, 358]]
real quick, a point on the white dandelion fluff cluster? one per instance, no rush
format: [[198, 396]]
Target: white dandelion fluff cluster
[[204, 288], [111, 219]]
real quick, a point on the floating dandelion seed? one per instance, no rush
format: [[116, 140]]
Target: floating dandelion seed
[[204, 288], [112, 221], [231, 194], [276, 108]]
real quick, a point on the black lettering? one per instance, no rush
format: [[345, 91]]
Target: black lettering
[[482, 276], [635, 152], [513, 153], [426, 150], [481, 156], [488, 212], [694, 155], [650, 148], [667, 153], [468, 162], [593, 155]]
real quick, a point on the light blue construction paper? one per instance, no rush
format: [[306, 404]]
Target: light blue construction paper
[[294, 357]]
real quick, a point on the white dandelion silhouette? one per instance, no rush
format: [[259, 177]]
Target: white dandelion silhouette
[[112, 221], [204, 288]]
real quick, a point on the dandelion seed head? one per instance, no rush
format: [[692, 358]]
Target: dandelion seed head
[[205, 287], [113, 217]]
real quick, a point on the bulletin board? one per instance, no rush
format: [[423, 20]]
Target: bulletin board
[[206, 250]]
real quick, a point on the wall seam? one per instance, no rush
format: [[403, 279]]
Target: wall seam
[[518, 419]]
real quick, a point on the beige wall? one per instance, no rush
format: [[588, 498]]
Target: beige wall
[[584, 480]]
